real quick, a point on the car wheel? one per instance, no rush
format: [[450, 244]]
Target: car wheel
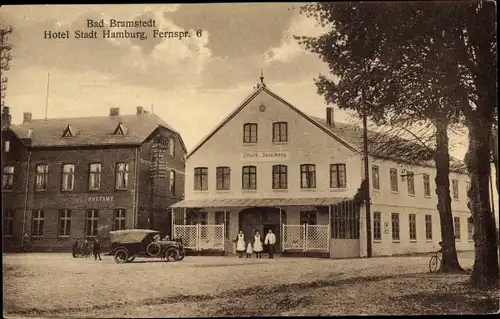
[[121, 256], [172, 253], [130, 259], [153, 249], [182, 255]]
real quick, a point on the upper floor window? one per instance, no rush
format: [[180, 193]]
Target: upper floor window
[[121, 175], [95, 176], [250, 133], [308, 176], [8, 178], [223, 178], [171, 146], [375, 177], [467, 186], [68, 177], [456, 227], [427, 185], [6, 146], [454, 184], [393, 175], [200, 178], [171, 182], [338, 176], [280, 132], [410, 182], [280, 178], [249, 177], [41, 177]]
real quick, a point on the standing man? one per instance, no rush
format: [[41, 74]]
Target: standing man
[[97, 249], [270, 241], [75, 248]]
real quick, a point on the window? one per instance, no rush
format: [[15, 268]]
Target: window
[[280, 178], [68, 177], [8, 178], [413, 226], [64, 223], [223, 218], [470, 231], [250, 133], [8, 226], [249, 177], [410, 182], [171, 182], [91, 223], [195, 217], [200, 178], [6, 146], [427, 185], [309, 217], [345, 222], [337, 176], [377, 226], [119, 219], [94, 177], [395, 226], [308, 176], [41, 177], [467, 188], [68, 132], [280, 132], [121, 175], [171, 146], [223, 176], [428, 227], [375, 177], [454, 184], [393, 174], [120, 130], [456, 227], [37, 225]]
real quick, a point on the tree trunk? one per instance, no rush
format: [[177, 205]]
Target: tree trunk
[[442, 158], [485, 272]]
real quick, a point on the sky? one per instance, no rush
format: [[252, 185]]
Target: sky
[[191, 83]]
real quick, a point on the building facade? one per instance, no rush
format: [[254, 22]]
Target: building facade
[[270, 166], [81, 177]]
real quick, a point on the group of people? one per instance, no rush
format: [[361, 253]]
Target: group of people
[[256, 245], [84, 249]]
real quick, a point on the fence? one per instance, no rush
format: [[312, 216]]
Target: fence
[[201, 237], [306, 238]]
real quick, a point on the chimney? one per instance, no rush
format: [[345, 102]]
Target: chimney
[[30, 132], [330, 120], [27, 117], [140, 110], [114, 111]]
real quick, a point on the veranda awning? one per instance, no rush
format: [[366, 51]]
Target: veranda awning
[[259, 202]]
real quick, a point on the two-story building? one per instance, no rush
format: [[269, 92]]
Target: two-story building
[[79, 177], [268, 165]]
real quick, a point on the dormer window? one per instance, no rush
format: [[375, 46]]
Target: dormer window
[[68, 132], [120, 130]]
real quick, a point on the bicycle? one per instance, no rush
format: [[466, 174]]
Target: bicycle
[[435, 262]]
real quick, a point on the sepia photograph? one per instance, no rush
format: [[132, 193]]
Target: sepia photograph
[[250, 159]]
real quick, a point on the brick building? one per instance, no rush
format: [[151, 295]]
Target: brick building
[[80, 177]]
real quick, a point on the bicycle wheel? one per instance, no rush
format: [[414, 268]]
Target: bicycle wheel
[[433, 264]]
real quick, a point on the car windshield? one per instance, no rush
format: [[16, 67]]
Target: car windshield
[[132, 236]]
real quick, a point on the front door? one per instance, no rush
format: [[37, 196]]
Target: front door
[[276, 230]]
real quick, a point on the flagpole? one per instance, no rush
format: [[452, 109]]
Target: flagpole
[[367, 181]]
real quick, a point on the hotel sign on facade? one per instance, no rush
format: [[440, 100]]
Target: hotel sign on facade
[[275, 156]]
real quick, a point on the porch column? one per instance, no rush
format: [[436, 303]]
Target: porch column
[[184, 215], [330, 230], [172, 223]]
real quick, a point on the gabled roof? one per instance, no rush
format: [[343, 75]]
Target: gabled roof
[[248, 100], [92, 131]]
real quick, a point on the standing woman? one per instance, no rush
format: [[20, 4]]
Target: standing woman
[[257, 244], [240, 244]]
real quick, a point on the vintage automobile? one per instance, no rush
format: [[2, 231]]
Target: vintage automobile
[[128, 244]]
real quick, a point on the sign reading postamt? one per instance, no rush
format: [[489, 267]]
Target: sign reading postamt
[[101, 199], [265, 156]]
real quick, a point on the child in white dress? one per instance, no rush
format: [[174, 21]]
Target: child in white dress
[[249, 250]]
